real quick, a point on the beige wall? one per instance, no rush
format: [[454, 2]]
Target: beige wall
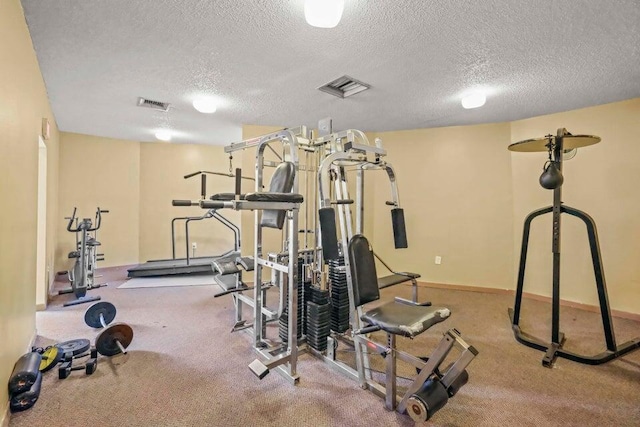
[[23, 104], [162, 168], [455, 188], [102, 172], [136, 183], [602, 180]]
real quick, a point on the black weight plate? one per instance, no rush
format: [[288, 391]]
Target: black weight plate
[[106, 340], [50, 358], [92, 315], [74, 347]]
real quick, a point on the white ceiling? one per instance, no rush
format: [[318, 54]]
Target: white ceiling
[[264, 63]]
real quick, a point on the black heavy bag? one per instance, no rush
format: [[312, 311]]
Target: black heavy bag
[[25, 373], [23, 401]]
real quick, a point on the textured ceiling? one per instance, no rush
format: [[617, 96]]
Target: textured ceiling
[[264, 63]]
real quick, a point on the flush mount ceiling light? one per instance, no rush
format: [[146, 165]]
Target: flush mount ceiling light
[[205, 105], [163, 135], [474, 100], [323, 13]]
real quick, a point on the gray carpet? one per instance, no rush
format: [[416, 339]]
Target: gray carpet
[[186, 369]]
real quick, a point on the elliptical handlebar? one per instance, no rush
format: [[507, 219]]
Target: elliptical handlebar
[[82, 225], [99, 213], [71, 219]]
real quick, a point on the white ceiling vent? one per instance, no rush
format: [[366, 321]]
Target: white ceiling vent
[[156, 105], [344, 86]]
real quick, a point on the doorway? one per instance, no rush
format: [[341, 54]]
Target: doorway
[[42, 275]]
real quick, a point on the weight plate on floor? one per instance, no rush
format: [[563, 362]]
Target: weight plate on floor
[[92, 315], [74, 347], [106, 340], [50, 358]]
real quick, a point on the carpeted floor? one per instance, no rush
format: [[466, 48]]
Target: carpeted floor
[[185, 368]]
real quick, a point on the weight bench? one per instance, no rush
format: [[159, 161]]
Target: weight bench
[[432, 387]]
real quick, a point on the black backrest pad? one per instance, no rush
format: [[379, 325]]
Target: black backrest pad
[[363, 271], [399, 229], [329, 234], [281, 182]]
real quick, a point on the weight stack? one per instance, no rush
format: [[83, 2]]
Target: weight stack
[[283, 332], [317, 320], [339, 318]]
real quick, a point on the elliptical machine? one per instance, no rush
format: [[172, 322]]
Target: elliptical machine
[[82, 275]]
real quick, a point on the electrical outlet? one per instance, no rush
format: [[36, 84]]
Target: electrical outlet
[[438, 259], [194, 245]]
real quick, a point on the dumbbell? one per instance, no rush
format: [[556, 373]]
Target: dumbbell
[[113, 339], [67, 366]]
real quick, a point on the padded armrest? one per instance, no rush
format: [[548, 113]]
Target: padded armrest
[[226, 197], [396, 279], [274, 197]]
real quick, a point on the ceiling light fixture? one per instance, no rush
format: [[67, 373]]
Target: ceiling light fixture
[[205, 105], [323, 13], [163, 135], [474, 100]]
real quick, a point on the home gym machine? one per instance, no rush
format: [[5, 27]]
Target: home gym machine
[[277, 209], [431, 388], [556, 147], [82, 275], [317, 310]]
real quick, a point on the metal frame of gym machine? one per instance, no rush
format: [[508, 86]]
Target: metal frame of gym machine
[[282, 358], [326, 156], [346, 150]]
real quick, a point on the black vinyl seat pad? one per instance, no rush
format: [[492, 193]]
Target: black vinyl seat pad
[[406, 320], [274, 197], [225, 197]]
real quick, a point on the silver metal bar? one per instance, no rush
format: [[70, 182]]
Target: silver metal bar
[[394, 184], [122, 349], [390, 380], [281, 369], [457, 368], [365, 148], [324, 180], [273, 265], [266, 311], [362, 361], [277, 360], [292, 275], [359, 201]]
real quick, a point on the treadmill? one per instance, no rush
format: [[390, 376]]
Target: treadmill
[[180, 266], [188, 265], [192, 265]]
